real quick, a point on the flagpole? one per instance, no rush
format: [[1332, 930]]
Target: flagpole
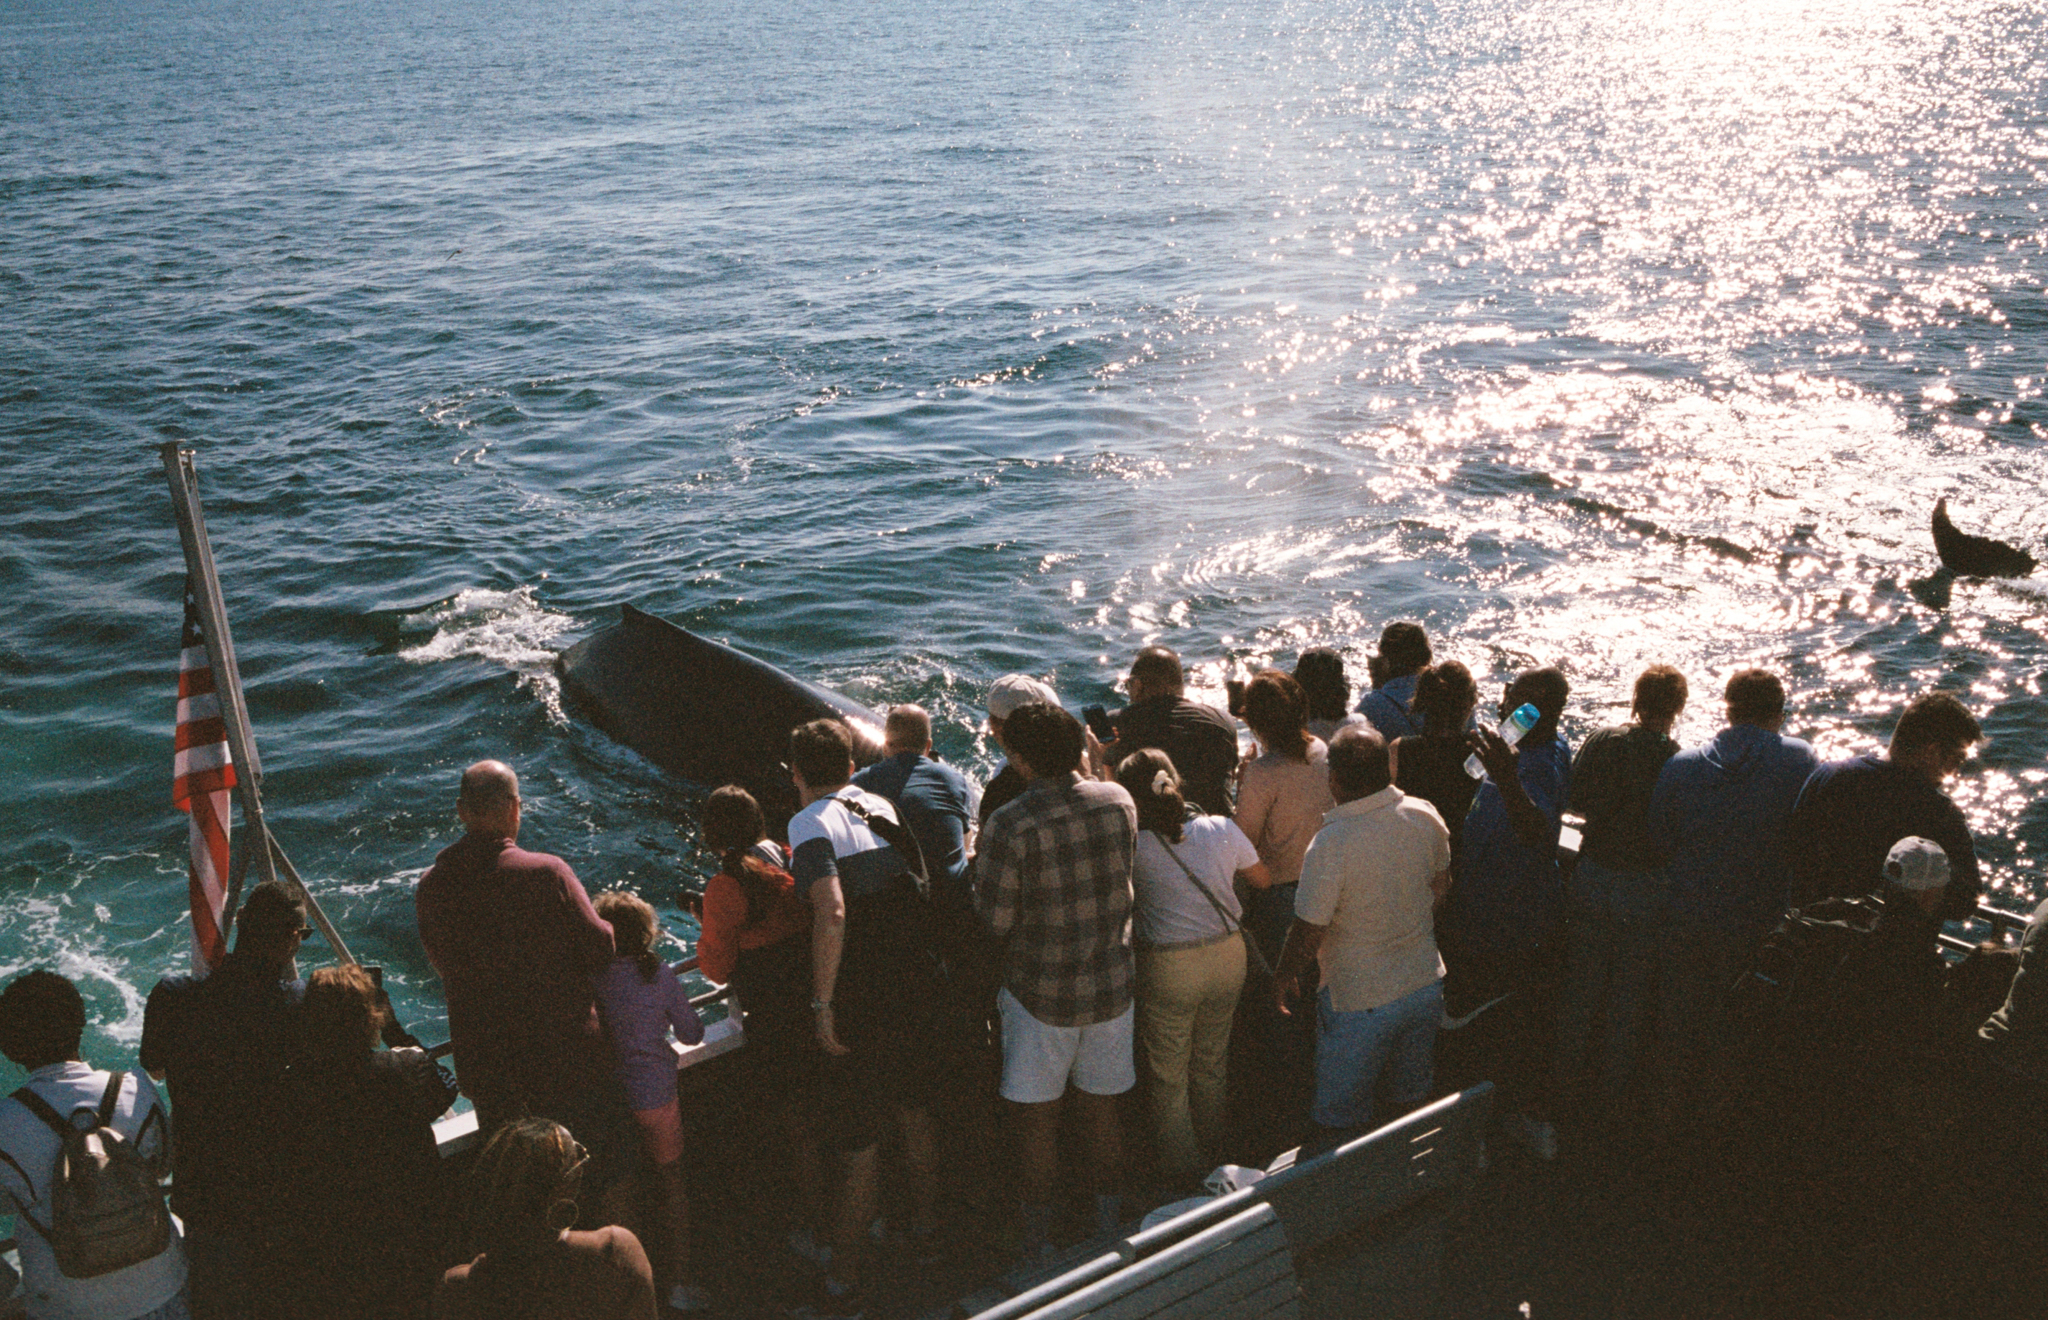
[[257, 842]]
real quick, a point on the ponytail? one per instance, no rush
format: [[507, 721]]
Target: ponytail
[[756, 880], [1154, 785]]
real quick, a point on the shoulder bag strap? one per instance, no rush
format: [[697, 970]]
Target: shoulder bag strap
[[894, 833], [1251, 945], [112, 1099], [40, 1107], [66, 1133]]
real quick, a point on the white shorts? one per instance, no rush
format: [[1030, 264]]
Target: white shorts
[[1038, 1059]]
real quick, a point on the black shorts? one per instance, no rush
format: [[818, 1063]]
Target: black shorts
[[887, 1011]]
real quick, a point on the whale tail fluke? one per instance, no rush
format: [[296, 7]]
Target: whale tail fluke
[[1976, 556]]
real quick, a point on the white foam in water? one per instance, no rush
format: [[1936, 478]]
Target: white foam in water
[[508, 628], [65, 945]]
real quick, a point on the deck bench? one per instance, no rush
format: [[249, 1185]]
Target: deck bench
[[1241, 1266], [1359, 1229]]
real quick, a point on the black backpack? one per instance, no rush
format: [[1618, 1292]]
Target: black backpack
[[1804, 980], [106, 1209]]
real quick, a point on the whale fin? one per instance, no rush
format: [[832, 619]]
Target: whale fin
[[701, 709], [1976, 556]]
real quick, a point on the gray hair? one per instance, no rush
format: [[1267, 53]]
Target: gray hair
[[908, 727]]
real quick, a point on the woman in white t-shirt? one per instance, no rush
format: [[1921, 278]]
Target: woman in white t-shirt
[[1191, 957]]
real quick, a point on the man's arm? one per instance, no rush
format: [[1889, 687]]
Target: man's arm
[[1660, 820], [1225, 757], [1316, 899], [1965, 881], [1439, 861], [1304, 941], [815, 866], [590, 936], [153, 1131], [1503, 767], [1804, 842], [998, 881], [159, 1029], [2025, 1010], [828, 939]]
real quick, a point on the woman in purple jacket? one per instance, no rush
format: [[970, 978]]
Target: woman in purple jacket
[[639, 999]]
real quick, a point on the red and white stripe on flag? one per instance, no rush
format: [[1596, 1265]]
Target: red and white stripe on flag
[[202, 777]]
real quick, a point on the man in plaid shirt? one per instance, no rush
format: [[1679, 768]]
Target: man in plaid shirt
[[1053, 882]]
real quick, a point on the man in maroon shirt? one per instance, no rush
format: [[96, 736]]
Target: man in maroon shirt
[[515, 939]]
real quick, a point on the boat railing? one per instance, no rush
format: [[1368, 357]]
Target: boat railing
[[1999, 925], [715, 995], [457, 1133]]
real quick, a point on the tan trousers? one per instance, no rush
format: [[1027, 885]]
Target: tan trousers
[[1186, 998]]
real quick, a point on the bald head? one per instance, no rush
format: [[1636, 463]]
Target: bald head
[[1358, 763], [489, 801], [908, 729], [1156, 673]]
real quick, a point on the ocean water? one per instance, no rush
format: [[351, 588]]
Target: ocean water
[[905, 345]]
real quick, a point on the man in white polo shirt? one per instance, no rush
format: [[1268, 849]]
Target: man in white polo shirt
[[1365, 911], [42, 1021], [873, 994]]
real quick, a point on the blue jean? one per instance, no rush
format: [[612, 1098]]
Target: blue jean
[[1391, 1048]]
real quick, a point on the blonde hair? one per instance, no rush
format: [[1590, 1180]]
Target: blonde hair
[[523, 1181], [634, 928]]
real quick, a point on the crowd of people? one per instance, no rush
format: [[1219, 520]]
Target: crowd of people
[[1293, 945]]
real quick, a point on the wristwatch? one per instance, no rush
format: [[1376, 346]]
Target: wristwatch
[[820, 1005]]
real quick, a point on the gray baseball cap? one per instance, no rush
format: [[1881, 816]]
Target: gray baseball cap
[[1013, 691], [1916, 864]]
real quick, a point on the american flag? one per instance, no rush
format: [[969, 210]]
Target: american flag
[[203, 774]]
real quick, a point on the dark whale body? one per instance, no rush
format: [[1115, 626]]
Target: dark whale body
[[1976, 556], [703, 710]]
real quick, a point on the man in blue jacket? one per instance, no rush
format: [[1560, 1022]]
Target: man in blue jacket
[[1389, 707], [1852, 811], [1718, 815]]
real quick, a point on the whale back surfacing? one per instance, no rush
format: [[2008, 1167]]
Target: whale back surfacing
[[1976, 556], [701, 709]]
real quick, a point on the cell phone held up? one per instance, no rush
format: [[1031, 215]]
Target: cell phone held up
[[1100, 723]]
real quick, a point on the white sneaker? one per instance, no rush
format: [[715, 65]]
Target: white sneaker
[[688, 1298]]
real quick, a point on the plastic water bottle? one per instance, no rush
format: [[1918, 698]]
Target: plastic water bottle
[[1519, 722]]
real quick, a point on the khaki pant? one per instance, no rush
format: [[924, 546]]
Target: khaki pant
[[1186, 998]]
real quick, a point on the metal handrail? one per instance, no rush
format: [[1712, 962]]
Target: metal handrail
[[2001, 921]]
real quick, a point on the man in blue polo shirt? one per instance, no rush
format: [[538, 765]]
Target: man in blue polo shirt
[[937, 805], [935, 801]]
